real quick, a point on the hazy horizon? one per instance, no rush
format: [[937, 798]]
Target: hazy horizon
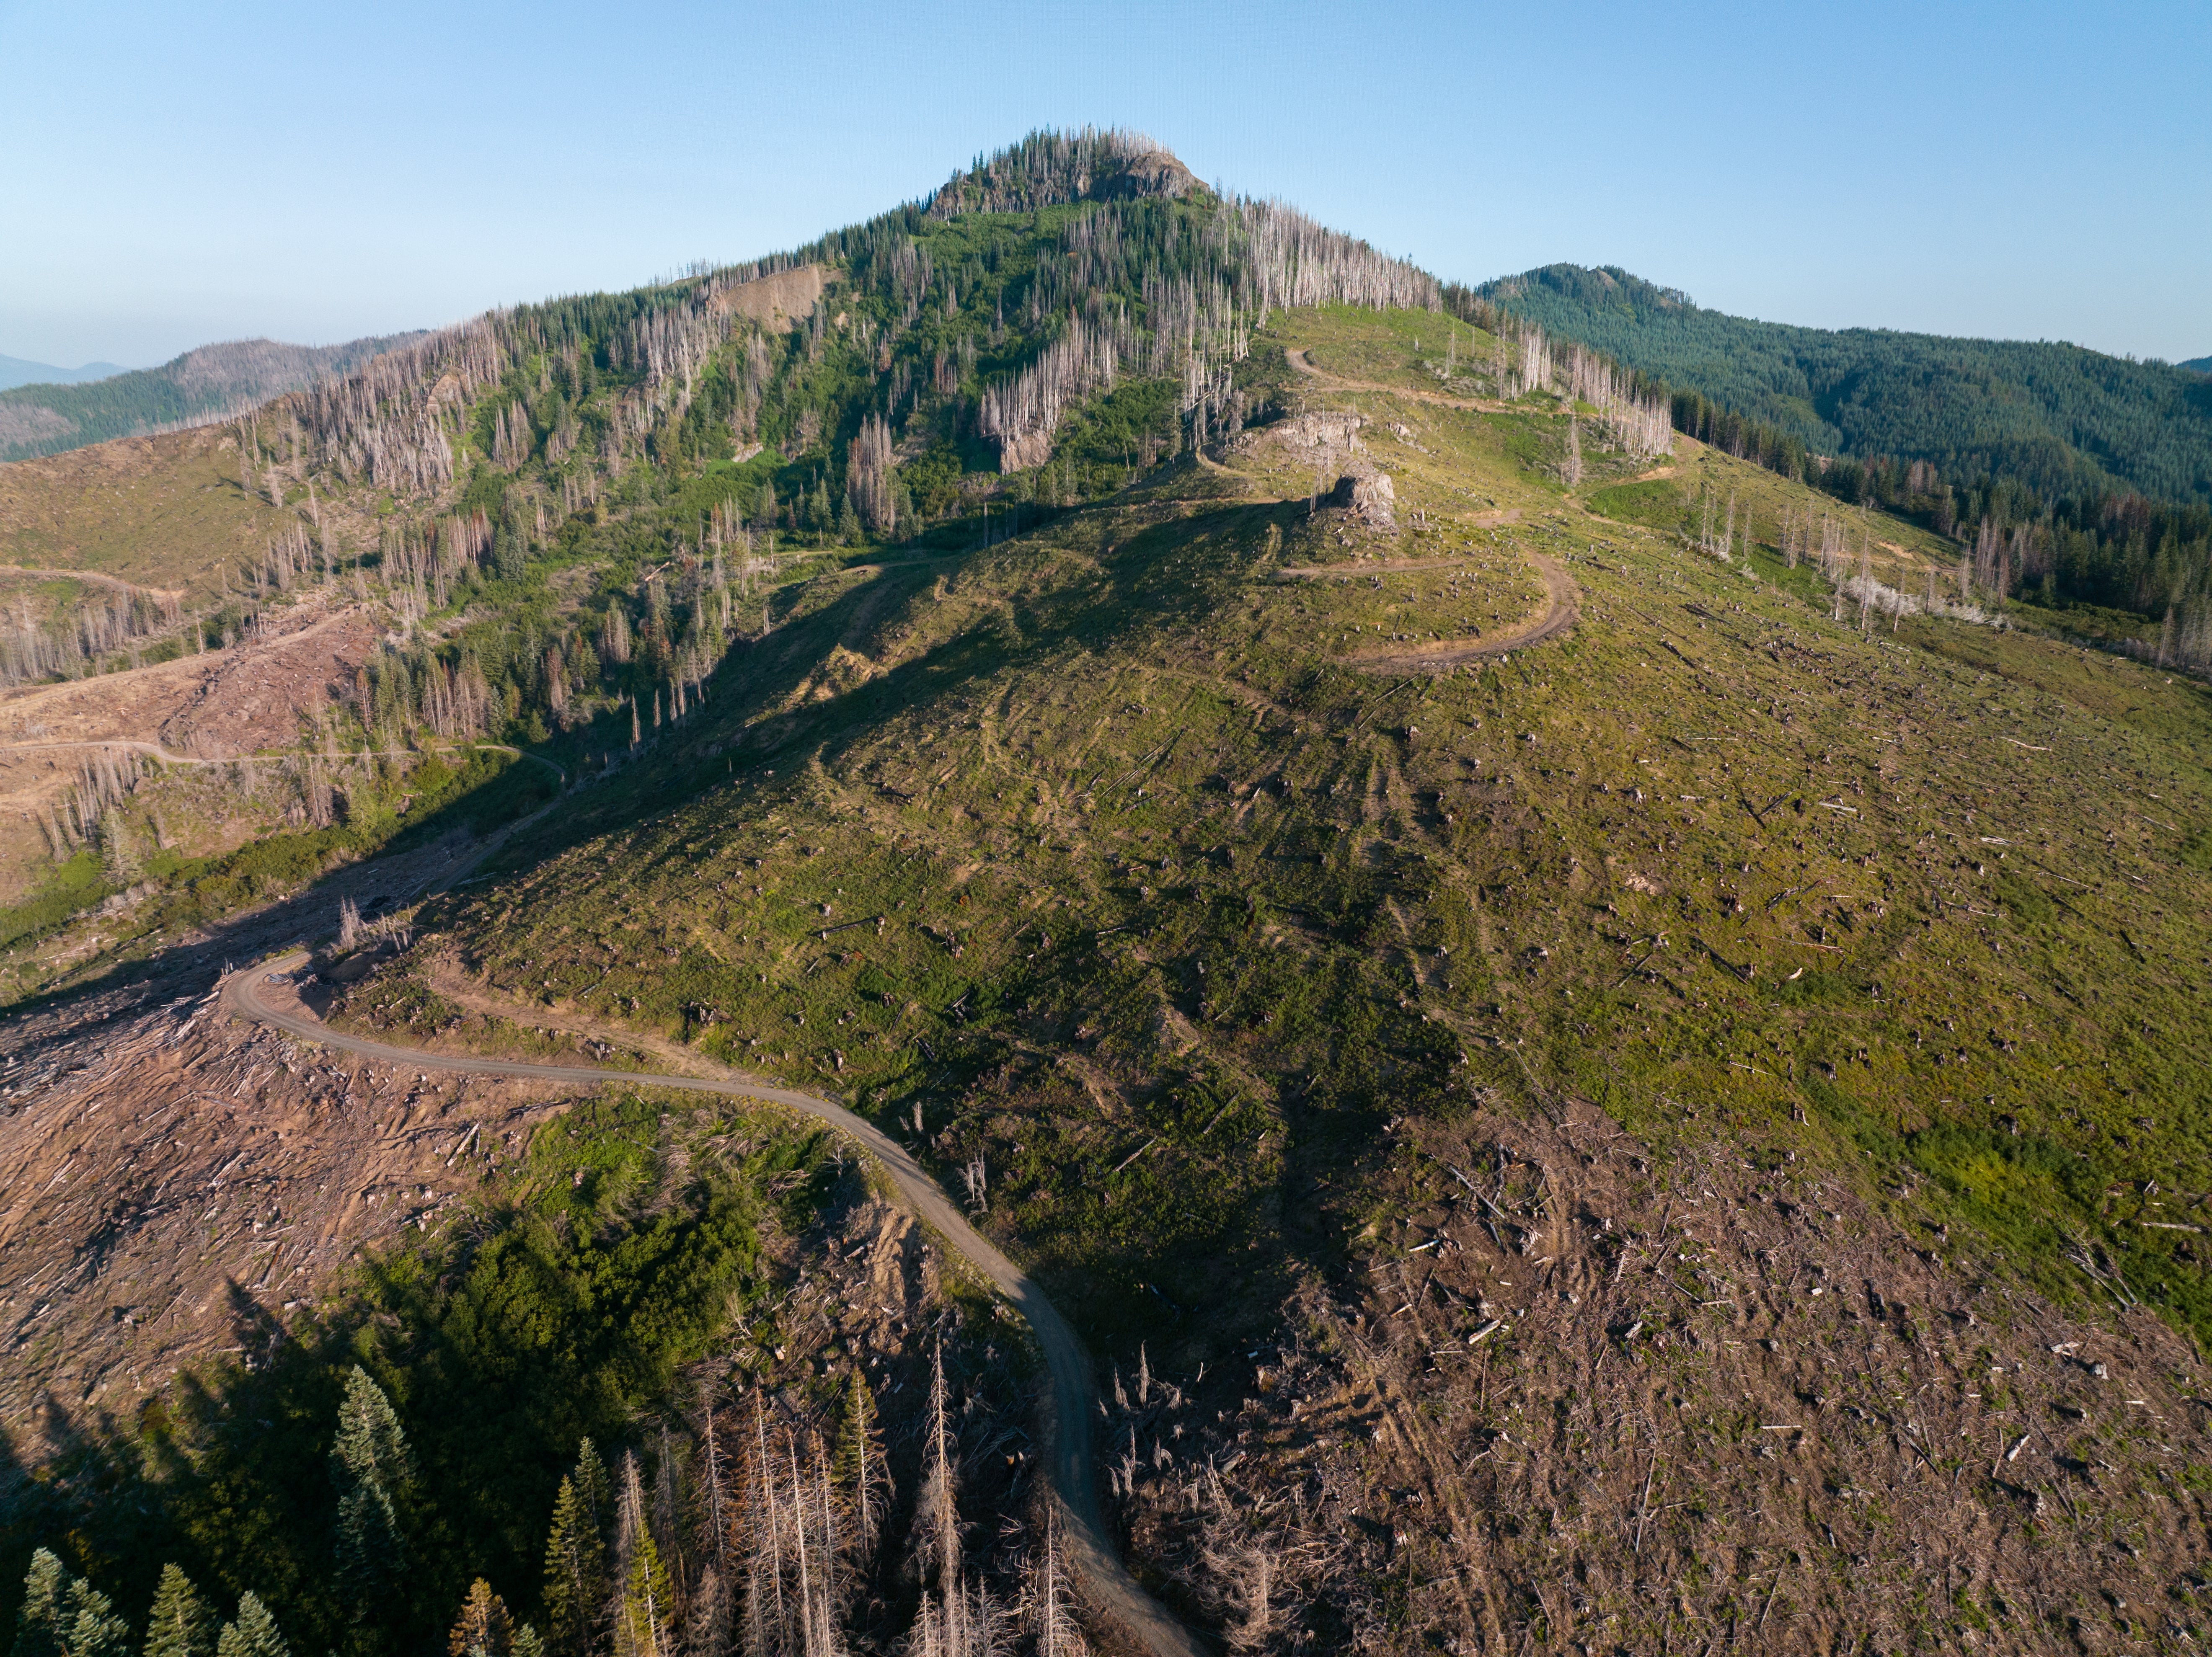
[[1918, 170]]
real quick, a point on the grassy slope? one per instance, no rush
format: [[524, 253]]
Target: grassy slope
[[156, 511], [1165, 914]]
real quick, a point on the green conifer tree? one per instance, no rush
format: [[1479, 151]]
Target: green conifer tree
[[253, 1634], [594, 1486], [510, 542], [643, 1627], [94, 1629], [62, 1615], [39, 1620], [860, 1465], [644, 1615], [180, 1624], [575, 1569], [370, 1466]]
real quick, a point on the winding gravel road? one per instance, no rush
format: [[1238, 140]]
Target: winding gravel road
[[1069, 1401]]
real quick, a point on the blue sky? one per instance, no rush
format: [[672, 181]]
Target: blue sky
[[170, 175]]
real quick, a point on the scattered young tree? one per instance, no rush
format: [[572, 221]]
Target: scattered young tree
[[370, 1467], [254, 1634], [64, 1616], [180, 1624]]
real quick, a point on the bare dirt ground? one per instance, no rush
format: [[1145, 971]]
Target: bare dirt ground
[[1718, 1406], [180, 1182], [177, 1179], [1304, 362], [221, 706], [780, 300]]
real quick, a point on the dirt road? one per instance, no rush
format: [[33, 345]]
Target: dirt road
[[264, 995], [1305, 365], [1562, 609]]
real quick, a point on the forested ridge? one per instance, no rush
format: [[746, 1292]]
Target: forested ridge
[[211, 383], [966, 370], [2075, 477], [2057, 417]]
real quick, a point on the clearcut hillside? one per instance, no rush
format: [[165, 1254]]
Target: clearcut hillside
[[1605, 1049]]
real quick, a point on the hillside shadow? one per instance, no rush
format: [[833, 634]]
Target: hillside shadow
[[416, 859]]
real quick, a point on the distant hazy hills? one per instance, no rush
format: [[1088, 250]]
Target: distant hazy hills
[[2055, 417], [2202, 365], [15, 371], [207, 384]]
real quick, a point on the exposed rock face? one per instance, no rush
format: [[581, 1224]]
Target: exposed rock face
[[1020, 450], [1321, 428], [1157, 173], [1049, 169], [780, 299], [1369, 496]]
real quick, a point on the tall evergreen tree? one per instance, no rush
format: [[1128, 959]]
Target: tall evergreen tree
[[483, 1628], [646, 1605], [860, 1465], [575, 1572], [253, 1634], [62, 1615], [594, 1486], [180, 1623], [510, 543], [370, 1466], [95, 1629], [39, 1631]]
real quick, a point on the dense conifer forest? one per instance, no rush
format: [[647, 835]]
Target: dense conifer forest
[[2079, 477]]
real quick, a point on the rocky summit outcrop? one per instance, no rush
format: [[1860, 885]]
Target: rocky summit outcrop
[[1050, 169], [1368, 496]]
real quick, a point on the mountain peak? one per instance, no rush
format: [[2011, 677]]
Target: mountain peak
[[1050, 169]]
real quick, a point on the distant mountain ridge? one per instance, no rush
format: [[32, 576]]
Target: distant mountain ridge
[[18, 370], [2058, 418], [2202, 365], [207, 384]]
